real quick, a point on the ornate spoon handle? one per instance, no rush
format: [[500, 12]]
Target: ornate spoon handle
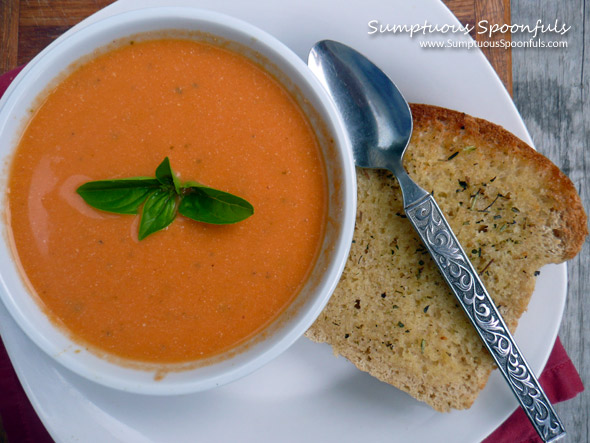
[[462, 278]]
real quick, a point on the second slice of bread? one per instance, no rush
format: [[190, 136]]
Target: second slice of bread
[[512, 210]]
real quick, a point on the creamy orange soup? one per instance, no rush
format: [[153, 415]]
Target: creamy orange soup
[[192, 290]]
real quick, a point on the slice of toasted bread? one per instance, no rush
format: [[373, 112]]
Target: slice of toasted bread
[[513, 211]]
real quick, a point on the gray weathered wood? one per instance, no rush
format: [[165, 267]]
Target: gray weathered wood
[[552, 92]]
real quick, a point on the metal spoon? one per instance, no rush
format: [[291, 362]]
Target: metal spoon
[[379, 125]]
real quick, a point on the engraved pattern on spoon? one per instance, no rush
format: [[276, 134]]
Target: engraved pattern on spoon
[[438, 237]]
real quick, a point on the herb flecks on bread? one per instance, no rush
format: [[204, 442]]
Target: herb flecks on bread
[[513, 211]]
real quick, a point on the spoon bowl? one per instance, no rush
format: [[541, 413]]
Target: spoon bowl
[[377, 116]]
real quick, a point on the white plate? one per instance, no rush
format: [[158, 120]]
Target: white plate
[[307, 394]]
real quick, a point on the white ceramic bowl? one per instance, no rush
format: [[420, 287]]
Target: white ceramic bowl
[[49, 64]]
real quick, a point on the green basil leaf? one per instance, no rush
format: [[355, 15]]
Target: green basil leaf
[[162, 197], [123, 196], [166, 176], [158, 212], [210, 205]]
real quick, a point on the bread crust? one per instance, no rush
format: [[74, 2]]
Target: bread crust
[[392, 315], [575, 227]]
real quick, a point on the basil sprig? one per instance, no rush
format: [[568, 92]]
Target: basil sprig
[[162, 198]]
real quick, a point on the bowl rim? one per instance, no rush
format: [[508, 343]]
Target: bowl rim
[[37, 67]]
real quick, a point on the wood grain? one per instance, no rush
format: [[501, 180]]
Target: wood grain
[[464, 10], [471, 12], [551, 91], [27, 27], [500, 58], [49, 13], [9, 16]]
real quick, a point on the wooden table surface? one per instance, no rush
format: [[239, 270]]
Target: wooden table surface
[[551, 91], [27, 26]]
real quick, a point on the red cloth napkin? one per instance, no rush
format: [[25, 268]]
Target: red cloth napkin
[[560, 380]]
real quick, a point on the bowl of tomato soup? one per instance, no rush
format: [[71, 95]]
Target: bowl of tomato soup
[[196, 304]]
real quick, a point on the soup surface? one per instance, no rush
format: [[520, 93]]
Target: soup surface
[[192, 290]]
